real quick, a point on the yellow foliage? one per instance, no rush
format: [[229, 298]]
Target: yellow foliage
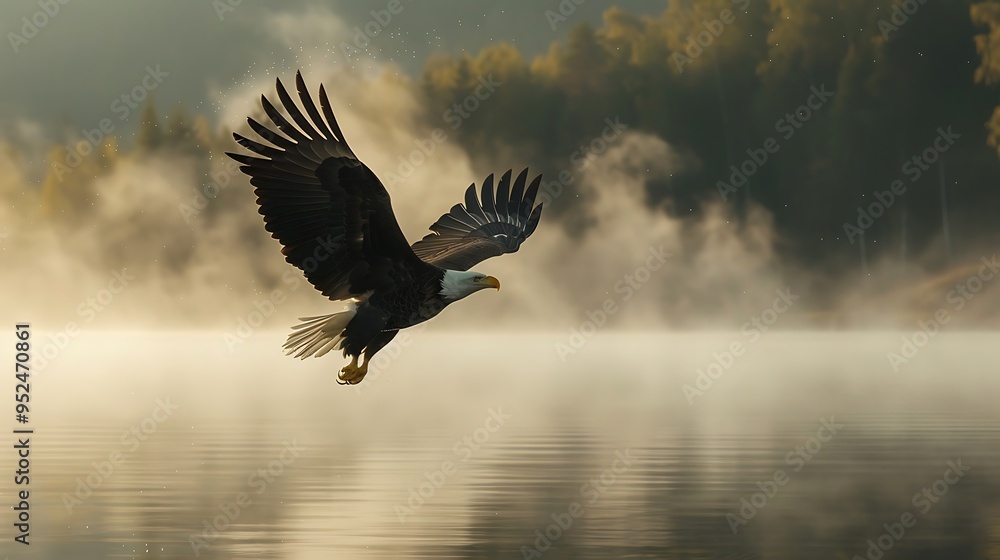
[[987, 14]]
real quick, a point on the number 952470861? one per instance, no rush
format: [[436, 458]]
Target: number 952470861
[[22, 371]]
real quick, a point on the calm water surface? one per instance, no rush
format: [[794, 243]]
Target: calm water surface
[[169, 445]]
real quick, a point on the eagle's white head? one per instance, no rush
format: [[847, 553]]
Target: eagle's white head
[[456, 284]]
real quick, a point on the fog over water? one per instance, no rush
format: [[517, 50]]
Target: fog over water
[[374, 470], [724, 340]]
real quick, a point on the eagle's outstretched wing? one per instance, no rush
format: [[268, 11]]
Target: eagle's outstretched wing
[[476, 231], [331, 214]]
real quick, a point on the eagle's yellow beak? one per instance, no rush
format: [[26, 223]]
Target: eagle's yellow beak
[[491, 282]]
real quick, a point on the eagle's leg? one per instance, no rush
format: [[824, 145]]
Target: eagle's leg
[[352, 374], [378, 343]]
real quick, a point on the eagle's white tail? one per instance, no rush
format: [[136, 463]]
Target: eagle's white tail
[[316, 336]]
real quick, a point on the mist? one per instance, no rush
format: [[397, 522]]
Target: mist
[[170, 215]]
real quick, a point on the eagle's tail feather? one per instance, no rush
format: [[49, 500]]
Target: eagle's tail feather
[[316, 336]]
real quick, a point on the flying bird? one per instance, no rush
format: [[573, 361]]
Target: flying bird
[[334, 220]]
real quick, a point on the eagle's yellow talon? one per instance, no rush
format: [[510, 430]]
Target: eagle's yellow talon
[[352, 374]]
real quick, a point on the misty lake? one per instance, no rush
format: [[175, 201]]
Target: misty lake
[[808, 445]]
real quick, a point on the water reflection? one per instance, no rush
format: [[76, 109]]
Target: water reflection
[[600, 457]]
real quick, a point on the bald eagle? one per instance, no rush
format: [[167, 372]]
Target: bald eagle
[[334, 220]]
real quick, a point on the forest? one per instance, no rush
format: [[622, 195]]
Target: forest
[[863, 134]]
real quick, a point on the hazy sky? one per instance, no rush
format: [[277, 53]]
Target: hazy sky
[[89, 53]]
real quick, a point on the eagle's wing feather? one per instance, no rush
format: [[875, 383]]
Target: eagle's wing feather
[[474, 232], [331, 214]]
